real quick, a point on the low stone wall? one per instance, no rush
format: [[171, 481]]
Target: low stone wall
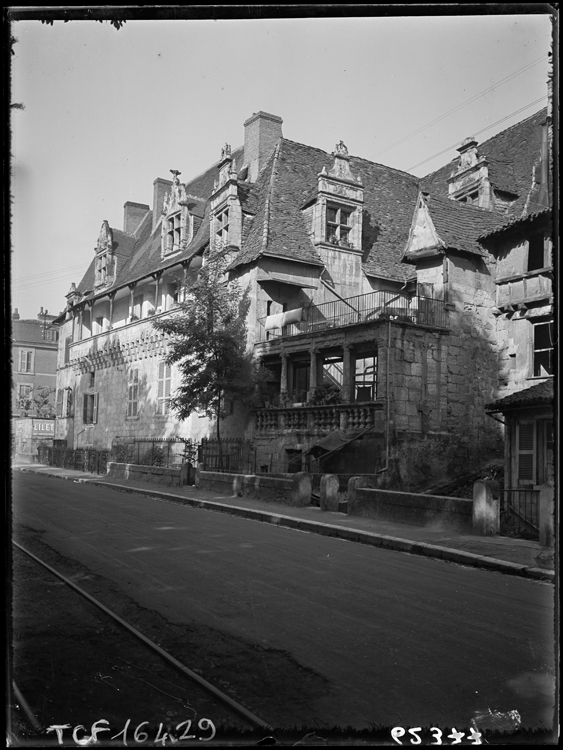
[[157, 474], [290, 489], [409, 507]]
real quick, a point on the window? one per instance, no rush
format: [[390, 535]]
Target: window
[[24, 393], [338, 225], [64, 402], [365, 378], [173, 232], [92, 379], [26, 360], [536, 254], [163, 397], [300, 380], [68, 342], [543, 349], [471, 199], [90, 408], [100, 324], [526, 441], [222, 228], [138, 305], [133, 394]]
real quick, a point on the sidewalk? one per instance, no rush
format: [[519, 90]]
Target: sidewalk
[[513, 556]]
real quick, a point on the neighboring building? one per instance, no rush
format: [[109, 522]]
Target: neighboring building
[[377, 303], [34, 375]]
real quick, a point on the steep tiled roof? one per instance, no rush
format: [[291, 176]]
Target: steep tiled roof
[[535, 212], [289, 183], [460, 225], [536, 395], [511, 154], [30, 331]]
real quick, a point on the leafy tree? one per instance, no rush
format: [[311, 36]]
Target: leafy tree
[[208, 342], [38, 402]]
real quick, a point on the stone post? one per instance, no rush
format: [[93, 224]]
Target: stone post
[[353, 484], [329, 492], [313, 375], [301, 494], [283, 379], [486, 507], [347, 372], [546, 509]]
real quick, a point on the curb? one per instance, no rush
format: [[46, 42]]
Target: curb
[[341, 532]]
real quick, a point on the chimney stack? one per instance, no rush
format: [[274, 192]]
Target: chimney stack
[[133, 214], [262, 132]]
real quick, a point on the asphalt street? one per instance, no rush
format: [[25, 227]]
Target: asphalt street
[[403, 640]]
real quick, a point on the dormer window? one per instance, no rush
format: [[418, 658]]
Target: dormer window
[[471, 199], [222, 228], [177, 224], [174, 232], [104, 265], [338, 225]]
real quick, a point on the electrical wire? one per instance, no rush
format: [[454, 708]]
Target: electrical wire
[[492, 125], [463, 104]]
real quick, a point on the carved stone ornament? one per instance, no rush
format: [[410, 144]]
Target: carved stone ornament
[[341, 167], [341, 149], [176, 197], [225, 152], [105, 240], [468, 156]]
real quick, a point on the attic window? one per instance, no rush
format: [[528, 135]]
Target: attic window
[[472, 198], [338, 225], [222, 228], [173, 232], [101, 269]]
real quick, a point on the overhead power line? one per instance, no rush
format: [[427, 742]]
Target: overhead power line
[[492, 125], [463, 104]]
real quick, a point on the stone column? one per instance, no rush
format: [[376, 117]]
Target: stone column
[[347, 372], [283, 380], [80, 330], [131, 297], [110, 322], [156, 289], [313, 375]]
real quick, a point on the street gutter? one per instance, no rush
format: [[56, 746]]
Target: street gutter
[[327, 529]]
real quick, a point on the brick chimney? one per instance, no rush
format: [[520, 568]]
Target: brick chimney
[[133, 214], [161, 187], [15, 314], [262, 132]]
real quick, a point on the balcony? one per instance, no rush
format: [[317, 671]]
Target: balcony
[[364, 308], [533, 286], [352, 416]]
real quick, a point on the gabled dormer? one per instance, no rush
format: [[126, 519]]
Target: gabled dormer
[[424, 241], [337, 211], [105, 261], [469, 183], [225, 206], [177, 223]]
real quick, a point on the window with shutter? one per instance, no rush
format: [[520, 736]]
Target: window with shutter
[[527, 453], [26, 360], [90, 408], [60, 394], [164, 380], [67, 402], [133, 393]]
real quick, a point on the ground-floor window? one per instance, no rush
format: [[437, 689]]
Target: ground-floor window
[[133, 393], [164, 380], [90, 408], [534, 441]]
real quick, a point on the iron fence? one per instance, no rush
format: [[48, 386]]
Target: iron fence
[[230, 455], [81, 459], [361, 309], [519, 513], [168, 453]]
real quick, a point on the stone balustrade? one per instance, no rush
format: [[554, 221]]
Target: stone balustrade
[[322, 419]]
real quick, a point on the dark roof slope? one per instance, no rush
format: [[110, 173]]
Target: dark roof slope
[[536, 395], [511, 154], [288, 184], [460, 225], [30, 331]]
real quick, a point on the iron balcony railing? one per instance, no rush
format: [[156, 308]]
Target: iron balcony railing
[[362, 309]]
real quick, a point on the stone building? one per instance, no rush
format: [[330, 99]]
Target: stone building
[[34, 345], [376, 303]]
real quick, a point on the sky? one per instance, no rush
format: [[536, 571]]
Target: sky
[[107, 111]]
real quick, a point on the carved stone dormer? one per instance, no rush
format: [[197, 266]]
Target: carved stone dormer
[[105, 261], [226, 210], [337, 213], [72, 296], [177, 223], [469, 183]]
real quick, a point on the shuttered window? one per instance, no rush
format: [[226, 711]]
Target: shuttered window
[[26, 360], [133, 394], [164, 380], [90, 408], [527, 453], [60, 394]]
